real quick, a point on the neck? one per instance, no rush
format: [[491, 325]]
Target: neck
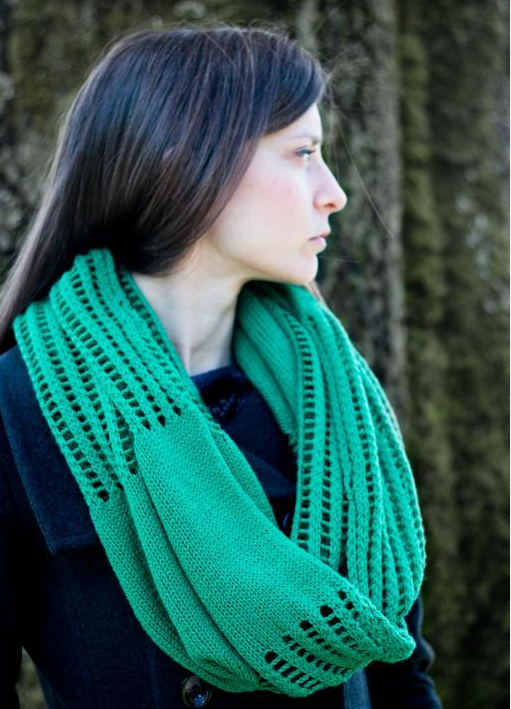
[[198, 315]]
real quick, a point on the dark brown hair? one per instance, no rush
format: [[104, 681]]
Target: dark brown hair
[[153, 147]]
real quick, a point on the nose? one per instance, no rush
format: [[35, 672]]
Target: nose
[[331, 194], [340, 200]]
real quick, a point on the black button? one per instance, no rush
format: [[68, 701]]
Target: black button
[[195, 692]]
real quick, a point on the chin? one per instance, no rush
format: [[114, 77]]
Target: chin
[[303, 275], [299, 274]]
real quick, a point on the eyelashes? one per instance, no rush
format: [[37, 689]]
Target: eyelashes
[[306, 151]]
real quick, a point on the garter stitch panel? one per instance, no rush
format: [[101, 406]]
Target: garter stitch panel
[[184, 520]]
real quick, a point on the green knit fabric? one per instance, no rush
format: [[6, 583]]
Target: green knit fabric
[[184, 520]]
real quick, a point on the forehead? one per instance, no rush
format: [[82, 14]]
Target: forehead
[[308, 125]]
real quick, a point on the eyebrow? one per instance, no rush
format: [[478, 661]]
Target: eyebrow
[[314, 138]]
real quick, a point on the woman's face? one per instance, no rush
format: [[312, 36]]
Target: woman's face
[[285, 198]]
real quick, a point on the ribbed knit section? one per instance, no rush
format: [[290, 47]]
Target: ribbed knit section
[[186, 524]]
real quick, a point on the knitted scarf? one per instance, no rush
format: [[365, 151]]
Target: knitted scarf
[[182, 517]]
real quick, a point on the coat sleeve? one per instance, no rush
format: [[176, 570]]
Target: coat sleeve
[[406, 684], [10, 643]]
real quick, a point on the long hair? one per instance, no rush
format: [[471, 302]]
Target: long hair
[[153, 146]]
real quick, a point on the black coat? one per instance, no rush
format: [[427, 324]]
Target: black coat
[[61, 601]]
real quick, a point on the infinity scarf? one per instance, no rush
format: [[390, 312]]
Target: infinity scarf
[[183, 519]]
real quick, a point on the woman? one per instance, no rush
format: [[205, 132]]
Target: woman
[[207, 478]]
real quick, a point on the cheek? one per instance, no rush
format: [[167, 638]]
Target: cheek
[[281, 192], [266, 216], [268, 204], [274, 206]]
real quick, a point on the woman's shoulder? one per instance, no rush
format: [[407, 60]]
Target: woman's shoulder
[[10, 358], [13, 501], [14, 378], [11, 374], [17, 397]]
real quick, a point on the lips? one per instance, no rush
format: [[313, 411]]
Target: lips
[[323, 234]]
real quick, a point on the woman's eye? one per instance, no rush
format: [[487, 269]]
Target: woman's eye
[[305, 151]]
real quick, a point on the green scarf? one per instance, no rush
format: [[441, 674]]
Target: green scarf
[[184, 520]]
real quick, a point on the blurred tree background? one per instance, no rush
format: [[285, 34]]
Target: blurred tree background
[[416, 127]]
